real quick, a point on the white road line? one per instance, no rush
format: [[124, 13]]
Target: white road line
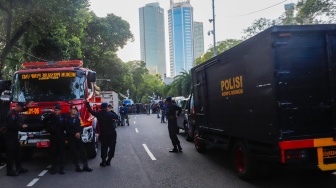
[[149, 152], [33, 182], [1, 167], [43, 172], [136, 130], [134, 122]]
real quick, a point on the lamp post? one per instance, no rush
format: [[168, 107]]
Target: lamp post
[[214, 26]]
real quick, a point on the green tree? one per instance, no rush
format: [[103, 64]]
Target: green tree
[[137, 71], [18, 18], [220, 48], [101, 39], [316, 11], [258, 26]]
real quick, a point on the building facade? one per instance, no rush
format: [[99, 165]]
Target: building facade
[[152, 38], [198, 40], [181, 42]]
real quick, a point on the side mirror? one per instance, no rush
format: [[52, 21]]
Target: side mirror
[[5, 85], [91, 77]]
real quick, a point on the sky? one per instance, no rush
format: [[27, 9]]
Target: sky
[[231, 18]]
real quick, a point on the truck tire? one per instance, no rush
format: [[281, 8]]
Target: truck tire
[[92, 148], [186, 131], [199, 145], [244, 165]]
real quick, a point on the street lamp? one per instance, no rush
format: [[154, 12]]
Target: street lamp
[[213, 25]]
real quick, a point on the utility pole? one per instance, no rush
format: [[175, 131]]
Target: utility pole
[[213, 26]]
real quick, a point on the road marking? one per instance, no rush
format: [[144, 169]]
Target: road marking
[[33, 182], [149, 152], [43, 172], [136, 130], [1, 167], [49, 166]]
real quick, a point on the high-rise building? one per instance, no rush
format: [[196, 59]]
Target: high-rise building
[[181, 42], [152, 38], [198, 40]]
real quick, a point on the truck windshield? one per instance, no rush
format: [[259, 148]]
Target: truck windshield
[[45, 87]]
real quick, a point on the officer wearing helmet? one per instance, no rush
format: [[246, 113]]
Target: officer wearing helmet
[[74, 128], [107, 133]]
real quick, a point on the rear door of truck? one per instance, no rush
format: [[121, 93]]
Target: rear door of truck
[[331, 49], [200, 96], [306, 78]]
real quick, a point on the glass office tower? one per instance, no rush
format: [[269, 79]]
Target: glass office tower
[[181, 42], [152, 38], [198, 40]]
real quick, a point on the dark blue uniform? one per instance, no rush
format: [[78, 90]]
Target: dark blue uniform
[[73, 125], [55, 126], [14, 124], [108, 135], [171, 111]]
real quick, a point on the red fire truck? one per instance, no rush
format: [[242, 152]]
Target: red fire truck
[[65, 83]]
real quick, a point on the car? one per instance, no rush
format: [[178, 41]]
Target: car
[[186, 120]]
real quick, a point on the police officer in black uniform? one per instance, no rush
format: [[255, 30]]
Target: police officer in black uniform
[[15, 124], [108, 135], [73, 127], [55, 126], [171, 110]]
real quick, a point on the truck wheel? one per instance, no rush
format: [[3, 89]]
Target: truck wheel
[[244, 164], [92, 148], [186, 132], [199, 145]]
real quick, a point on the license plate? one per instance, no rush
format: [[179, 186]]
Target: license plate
[[329, 152], [43, 144]]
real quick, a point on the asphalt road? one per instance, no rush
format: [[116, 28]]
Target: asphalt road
[[142, 159]]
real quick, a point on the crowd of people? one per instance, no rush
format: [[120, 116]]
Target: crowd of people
[[69, 127]]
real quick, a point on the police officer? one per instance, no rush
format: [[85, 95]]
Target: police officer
[[15, 124], [171, 110], [108, 135], [55, 126], [73, 127]]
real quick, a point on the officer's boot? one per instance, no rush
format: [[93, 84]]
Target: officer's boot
[[179, 147], [108, 162], [87, 168], [103, 163], [62, 171], [78, 168], [53, 169], [174, 150], [10, 171]]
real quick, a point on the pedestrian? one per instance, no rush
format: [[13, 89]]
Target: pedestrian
[[107, 133], [74, 128], [148, 108], [163, 112], [158, 110], [171, 110], [124, 115], [55, 126], [13, 150]]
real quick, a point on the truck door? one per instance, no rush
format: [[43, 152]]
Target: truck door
[[200, 97], [331, 48]]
